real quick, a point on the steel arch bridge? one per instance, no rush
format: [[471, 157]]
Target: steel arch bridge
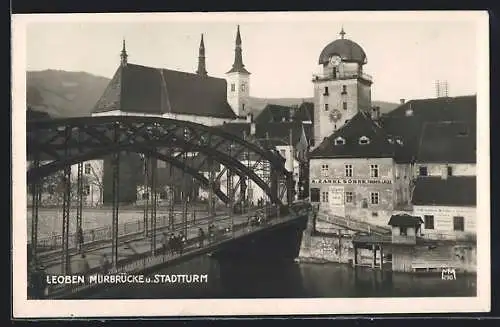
[[57, 144]]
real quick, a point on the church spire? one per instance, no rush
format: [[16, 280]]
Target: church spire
[[201, 59], [124, 55], [238, 66]]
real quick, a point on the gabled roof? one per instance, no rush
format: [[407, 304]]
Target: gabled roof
[[405, 220], [447, 142], [305, 112], [360, 125], [142, 89], [273, 113], [452, 191]]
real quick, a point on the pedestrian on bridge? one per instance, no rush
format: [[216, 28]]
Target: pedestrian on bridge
[[201, 237], [164, 242]]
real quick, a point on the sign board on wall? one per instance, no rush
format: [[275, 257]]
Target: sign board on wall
[[346, 181], [336, 196]]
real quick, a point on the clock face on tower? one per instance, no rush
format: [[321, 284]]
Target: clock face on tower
[[335, 60], [335, 116]]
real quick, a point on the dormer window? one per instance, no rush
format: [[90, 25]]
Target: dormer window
[[364, 140], [399, 141], [409, 112], [390, 140], [339, 141]]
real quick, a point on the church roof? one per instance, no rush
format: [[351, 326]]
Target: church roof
[[379, 144], [452, 191], [148, 90]]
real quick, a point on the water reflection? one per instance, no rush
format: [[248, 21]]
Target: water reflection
[[247, 279]]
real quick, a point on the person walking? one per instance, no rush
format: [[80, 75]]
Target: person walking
[[201, 237]]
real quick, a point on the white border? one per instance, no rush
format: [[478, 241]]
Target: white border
[[126, 308]]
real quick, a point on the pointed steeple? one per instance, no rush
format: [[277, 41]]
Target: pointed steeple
[[342, 33], [124, 54], [201, 59], [238, 66]]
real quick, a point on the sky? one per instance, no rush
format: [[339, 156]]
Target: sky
[[406, 54]]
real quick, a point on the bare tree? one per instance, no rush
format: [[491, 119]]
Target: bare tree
[[96, 178]]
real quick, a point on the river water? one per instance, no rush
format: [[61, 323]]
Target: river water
[[291, 280]]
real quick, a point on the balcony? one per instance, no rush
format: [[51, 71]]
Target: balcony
[[341, 76]]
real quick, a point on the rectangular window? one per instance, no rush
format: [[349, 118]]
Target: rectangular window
[[348, 170], [324, 197], [375, 214], [429, 222], [344, 105], [344, 89], [458, 224], [349, 197], [314, 194], [374, 197], [86, 189], [403, 231], [242, 87], [326, 90], [449, 170], [324, 170], [87, 168], [161, 164], [326, 106], [374, 171], [422, 171], [233, 87]]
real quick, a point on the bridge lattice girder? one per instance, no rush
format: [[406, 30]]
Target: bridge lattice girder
[[63, 142]]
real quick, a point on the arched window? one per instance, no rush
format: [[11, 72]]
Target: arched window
[[364, 140], [339, 141]]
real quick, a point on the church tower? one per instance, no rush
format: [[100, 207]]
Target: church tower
[[202, 69], [238, 81], [341, 89]]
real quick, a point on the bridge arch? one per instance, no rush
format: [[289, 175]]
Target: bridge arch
[[72, 140]]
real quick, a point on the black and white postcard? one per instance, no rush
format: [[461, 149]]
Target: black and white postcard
[[208, 164]]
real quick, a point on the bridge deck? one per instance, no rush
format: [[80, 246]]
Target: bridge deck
[[135, 256]]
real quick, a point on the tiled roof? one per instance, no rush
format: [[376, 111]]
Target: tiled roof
[[452, 191], [273, 113], [411, 127], [149, 90], [360, 125], [405, 220], [447, 142]]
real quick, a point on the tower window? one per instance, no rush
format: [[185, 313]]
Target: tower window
[[344, 105], [326, 90], [326, 106], [242, 87], [243, 107], [344, 89], [233, 87]]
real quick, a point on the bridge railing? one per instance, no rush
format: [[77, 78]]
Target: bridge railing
[[104, 233], [145, 261]]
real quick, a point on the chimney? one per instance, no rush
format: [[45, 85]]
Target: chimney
[[402, 101], [376, 113], [249, 118], [444, 173], [252, 128]]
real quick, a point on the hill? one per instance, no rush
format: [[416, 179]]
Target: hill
[[69, 94]]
